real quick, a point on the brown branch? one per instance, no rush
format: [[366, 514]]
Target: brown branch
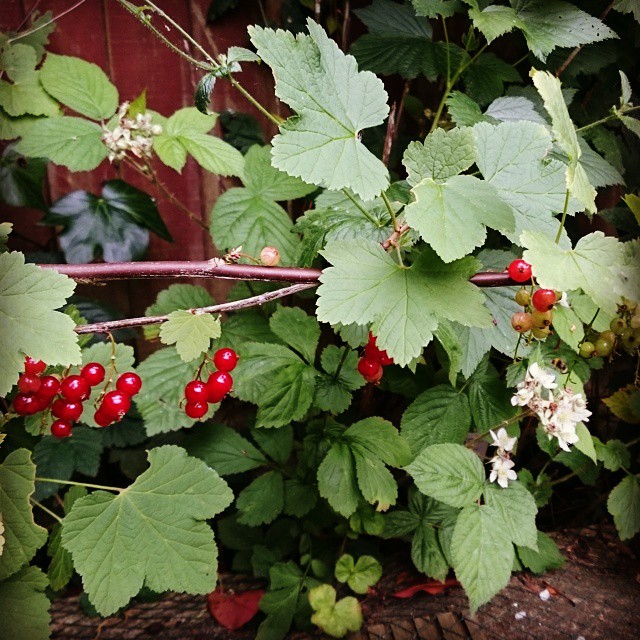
[[113, 325], [390, 135]]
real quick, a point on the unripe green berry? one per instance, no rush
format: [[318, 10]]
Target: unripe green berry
[[604, 347], [541, 333], [587, 349], [609, 335], [523, 298], [630, 339], [634, 323], [541, 319], [618, 325]]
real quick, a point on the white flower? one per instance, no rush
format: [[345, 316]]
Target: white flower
[[523, 396], [502, 440], [502, 471], [540, 377]]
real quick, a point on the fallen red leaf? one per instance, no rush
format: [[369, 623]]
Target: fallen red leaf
[[432, 587], [234, 610]]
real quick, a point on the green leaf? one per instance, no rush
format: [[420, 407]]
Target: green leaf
[[540, 488], [337, 480], [583, 466], [365, 285], [276, 443], [628, 6], [173, 548], [190, 332], [485, 79], [22, 537], [202, 97], [297, 329], [358, 575], [11, 128], [333, 391], [241, 130], [517, 509], [614, 454], [22, 180], [482, 553], [624, 505], [440, 210], [299, 498], [514, 109], [442, 155], [223, 449], [25, 605], [261, 501], [213, 154], [80, 85], [568, 326], [435, 8], [449, 473], [377, 484], [72, 142], [380, 438], [334, 103], [590, 265], [114, 224], [426, 553], [464, 111], [599, 172], [546, 558], [334, 618], [438, 415], [29, 296], [38, 32], [585, 442]]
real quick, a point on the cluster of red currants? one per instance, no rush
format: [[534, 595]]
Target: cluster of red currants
[[64, 396], [199, 394], [372, 362]]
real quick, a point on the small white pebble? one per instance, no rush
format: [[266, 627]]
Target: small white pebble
[[515, 604], [581, 638], [545, 595], [520, 615]]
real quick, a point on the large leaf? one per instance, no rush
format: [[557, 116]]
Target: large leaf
[[30, 325], [22, 537], [337, 480], [191, 332], [80, 85], [624, 505], [25, 605], [116, 223], [365, 285], [517, 508], [22, 180], [261, 501], [426, 553], [334, 103], [173, 547], [297, 329]]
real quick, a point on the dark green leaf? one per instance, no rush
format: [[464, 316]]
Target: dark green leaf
[[546, 558], [276, 443], [262, 501], [21, 180], [202, 97], [240, 130]]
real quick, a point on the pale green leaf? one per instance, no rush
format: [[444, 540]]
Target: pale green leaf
[[628, 272], [213, 154], [334, 618], [628, 6], [80, 85], [514, 109], [633, 124], [337, 480], [624, 505], [464, 111], [585, 443], [25, 605], [190, 332], [482, 553], [240, 54], [261, 501], [11, 128], [435, 8], [189, 121], [334, 103], [600, 173], [568, 326], [29, 296], [621, 403], [172, 547], [613, 454], [297, 329]]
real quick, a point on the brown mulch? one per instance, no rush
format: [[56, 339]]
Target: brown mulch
[[596, 596]]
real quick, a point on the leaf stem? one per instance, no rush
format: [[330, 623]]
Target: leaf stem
[[88, 485], [613, 116], [564, 217], [446, 39], [19, 36], [392, 213], [265, 112], [362, 210], [343, 359], [54, 515]]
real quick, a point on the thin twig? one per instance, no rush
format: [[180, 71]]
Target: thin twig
[[48, 511], [345, 24], [46, 24], [389, 136]]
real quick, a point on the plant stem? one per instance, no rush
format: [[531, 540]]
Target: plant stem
[[446, 39], [267, 114], [362, 210], [88, 485], [564, 216], [392, 213], [55, 516], [343, 359], [19, 36], [613, 116]]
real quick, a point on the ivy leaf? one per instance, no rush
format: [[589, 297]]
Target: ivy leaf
[[440, 210], [365, 285], [80, 85], [438, 415], [22, 536], [116, 223], [25, 605], [190, 332], [449, 473], [334, 618], [517, 509], [334, 103], [482, 553], [297, 329], [167, 507], [624, 505], [29, 296], [358, 575], [261, 501], [590, 265], [546, 558], [74, 143]]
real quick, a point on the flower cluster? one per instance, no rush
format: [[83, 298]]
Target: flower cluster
[[502, 465], [559, 410], [134, 135]]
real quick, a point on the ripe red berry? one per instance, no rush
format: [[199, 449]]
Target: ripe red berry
[[196, 410], [543, 299], [219, 384], [369, 369], [49, 387], [225, 359], [93, 373], [28, 383], [25, 404], [371, 351], [519, 270], [67, 409], [196, 391], [102, 419], [61, 428], [115, 404], [34, 367], [75, 388], [129, 383]]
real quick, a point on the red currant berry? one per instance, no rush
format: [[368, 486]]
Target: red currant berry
[[115, 404], [61, 428], [522, 322], [519, 270], [93, 373], [196, 410], [129, 383], [75, 388], [28, 383], [385, 359], [34, 367], [369, 369], [102, 419], [25, 404], [219, 385], [543, 299], [371, 352], [196, 391], [225, 359], [49, 387], [67, 409]]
